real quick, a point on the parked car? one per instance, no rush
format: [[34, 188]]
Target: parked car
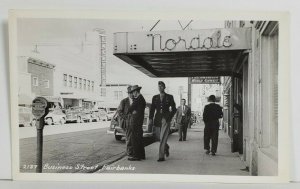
[[110, 113], [55, 116], [75, 114], [102, 115], [26, 119], [119, 133], [87, 115], [99, 115]]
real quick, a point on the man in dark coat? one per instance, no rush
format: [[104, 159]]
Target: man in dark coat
[[123, 119], [164, 107], [137, 110], [182, 119], [211, 115]]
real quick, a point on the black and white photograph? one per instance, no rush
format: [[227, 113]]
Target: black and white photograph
[[148, 97]]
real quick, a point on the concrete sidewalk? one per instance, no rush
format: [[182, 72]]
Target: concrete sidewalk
[[187, 157]]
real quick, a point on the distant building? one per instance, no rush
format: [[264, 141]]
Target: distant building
[[78, 67], [35, 79], [112, 94]]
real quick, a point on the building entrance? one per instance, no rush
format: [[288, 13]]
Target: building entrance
[[195, 54]]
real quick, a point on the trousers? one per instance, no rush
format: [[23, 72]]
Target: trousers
[[211, 133], [138, 144], [129, 147], [164, 134]]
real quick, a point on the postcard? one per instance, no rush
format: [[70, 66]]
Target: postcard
[[105, 96]]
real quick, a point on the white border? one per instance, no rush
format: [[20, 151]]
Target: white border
[[284, 93]]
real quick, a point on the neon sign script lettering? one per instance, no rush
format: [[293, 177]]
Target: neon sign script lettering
[[195, 43]]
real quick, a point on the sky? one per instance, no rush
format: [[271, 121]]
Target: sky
[[37, 30]]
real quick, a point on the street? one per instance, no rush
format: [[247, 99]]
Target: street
[[70, 148]]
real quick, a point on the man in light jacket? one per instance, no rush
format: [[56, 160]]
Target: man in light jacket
[[182, 119]]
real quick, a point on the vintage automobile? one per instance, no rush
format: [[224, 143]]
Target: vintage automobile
[[55, 117], [56, 114], [78, 115], [119, 133], [26, 119], [99, 115], [110, 113]]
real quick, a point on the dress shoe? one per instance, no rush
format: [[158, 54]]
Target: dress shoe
[[161, 159], [134, 159], [184, 139], [207, 152], [180, 139], [213, 153]]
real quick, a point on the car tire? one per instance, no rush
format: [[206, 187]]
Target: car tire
[[118, 137], [49, 121]]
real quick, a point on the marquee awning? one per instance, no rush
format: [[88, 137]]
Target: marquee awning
[[213, 52]]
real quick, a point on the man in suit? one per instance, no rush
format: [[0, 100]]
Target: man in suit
[[123, 119], [182, 119], [137, 110], [211, 115], [164, 107]]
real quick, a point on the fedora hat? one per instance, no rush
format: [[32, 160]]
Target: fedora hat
[[134, 88]]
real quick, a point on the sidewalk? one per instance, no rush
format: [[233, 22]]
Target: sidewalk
[[187, 157]]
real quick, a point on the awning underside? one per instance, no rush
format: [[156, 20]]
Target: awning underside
[[184, 64]]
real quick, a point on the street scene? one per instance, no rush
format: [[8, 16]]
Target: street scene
[[148, 96]]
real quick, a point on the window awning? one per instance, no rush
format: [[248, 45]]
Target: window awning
[[213, 52]]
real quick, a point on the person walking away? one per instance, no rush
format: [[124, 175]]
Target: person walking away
[[137, 110], [124, 120], [182, 119], [211, 115], [164, 107]]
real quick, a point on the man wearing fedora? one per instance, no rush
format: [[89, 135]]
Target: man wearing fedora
[[164, 107], [211, 115], [137, 110], [124, 117]]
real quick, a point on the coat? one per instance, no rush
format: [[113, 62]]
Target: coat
[[211, 115], [162, 109], [137, 110], [123, 113], [178, 115]]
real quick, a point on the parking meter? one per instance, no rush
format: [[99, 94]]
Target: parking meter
[[40, 108]]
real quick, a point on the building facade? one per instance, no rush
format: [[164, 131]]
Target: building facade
[[76, 77], [35, 79], [112, 94], [251, 100]]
